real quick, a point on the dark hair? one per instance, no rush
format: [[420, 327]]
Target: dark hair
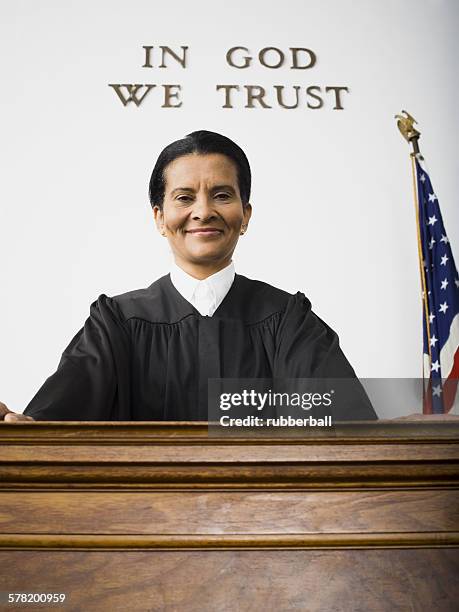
[[201, 142]]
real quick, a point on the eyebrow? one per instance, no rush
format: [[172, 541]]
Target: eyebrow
[[215, 188]]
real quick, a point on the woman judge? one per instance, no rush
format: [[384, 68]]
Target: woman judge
[[148, 354]]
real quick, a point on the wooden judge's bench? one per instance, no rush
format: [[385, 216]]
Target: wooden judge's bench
[[164, 516]]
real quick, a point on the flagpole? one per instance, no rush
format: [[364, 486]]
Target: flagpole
[[411, 134], [420, 257]]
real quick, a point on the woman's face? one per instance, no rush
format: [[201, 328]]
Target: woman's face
[[202, 214]]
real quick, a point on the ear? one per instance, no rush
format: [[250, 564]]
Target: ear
[[159, 219], [247, 213]]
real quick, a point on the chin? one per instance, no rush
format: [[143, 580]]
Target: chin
[[206, 256]]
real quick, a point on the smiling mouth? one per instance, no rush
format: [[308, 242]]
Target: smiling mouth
[[205, 231]]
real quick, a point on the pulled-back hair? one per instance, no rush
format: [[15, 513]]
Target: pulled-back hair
[[201, 142]]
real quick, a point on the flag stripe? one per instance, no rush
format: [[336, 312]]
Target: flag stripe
[[449, 351]]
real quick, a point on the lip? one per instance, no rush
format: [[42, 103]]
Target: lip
[[205, 231]]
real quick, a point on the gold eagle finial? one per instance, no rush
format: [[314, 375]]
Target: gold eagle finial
[[405, 124]]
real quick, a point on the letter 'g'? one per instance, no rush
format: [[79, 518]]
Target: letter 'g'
[[246, 59], [224, 401]]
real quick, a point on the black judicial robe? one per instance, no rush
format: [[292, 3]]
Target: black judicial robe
[[147, 355]]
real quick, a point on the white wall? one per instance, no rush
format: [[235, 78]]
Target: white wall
[[333, 206]]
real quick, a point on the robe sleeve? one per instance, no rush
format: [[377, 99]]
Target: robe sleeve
[[91, 381], [306, 347]]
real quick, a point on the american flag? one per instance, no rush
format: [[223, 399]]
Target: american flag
[[440, 299]]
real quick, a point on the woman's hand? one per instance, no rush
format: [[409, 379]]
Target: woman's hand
[[12, 417]]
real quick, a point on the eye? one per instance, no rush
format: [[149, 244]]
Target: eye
[[185, 199], [222, 196]]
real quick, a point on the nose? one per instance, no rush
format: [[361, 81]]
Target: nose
[[203, 208]]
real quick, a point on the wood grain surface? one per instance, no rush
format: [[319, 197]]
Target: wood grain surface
[[234, 512], [164, 516], [240, 581]]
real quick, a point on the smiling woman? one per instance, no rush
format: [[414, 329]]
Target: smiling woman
[[202, 214], [149, 354]]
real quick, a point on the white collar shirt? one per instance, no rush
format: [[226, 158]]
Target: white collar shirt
[[205, 295]]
